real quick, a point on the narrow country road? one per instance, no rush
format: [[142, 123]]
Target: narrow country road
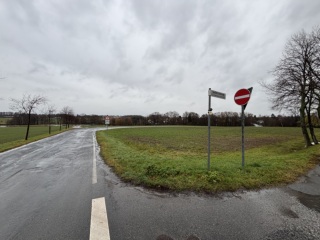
[[59, 188]]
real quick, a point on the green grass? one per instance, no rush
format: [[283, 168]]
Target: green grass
[[12, 137], [175, 158]]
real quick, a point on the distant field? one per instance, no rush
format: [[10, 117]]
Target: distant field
[[11, 137], [176, 157]]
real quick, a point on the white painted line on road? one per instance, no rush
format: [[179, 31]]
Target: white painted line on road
[[99, 227], [94, 163]]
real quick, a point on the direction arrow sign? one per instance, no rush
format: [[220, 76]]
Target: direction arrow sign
[[242, 96], [216, 94]]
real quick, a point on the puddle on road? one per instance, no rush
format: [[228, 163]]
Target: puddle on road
[[165, 237], [288, 234], [310, 201], [289, 213]]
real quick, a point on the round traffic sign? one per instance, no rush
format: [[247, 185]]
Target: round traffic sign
[[242, 96]]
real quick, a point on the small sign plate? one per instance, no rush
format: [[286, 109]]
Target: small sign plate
[[216, 94], [106, 120]]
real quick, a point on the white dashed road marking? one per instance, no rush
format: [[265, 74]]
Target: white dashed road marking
[[99, 228]]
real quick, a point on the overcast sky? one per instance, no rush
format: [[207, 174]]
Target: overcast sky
[[142, 56]]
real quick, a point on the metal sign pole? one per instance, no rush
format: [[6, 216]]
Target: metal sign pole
[[209, 109], [216, 94], [242, 115]]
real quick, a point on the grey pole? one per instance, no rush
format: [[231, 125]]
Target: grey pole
[[209, 109], [242, 115]]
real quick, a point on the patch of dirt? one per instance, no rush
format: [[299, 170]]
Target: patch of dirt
[[218, 145], [147, 140]]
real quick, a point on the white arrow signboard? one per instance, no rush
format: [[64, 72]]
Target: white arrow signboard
[[216, 94]]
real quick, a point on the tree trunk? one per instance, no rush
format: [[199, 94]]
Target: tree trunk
[[313, 136], [303, 123], [29, 120], [303, 120], [49, 124]]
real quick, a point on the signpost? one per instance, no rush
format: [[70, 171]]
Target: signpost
[[212, 93], [242, 98], [107, 121]]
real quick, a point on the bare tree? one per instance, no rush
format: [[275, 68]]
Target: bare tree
[[27, 104], [313, 63], [156, 118], [66, 113], [294, 85], [171, 117], [193, 118], [50, 110]]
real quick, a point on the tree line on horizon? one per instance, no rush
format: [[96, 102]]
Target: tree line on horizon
[[171, 118]]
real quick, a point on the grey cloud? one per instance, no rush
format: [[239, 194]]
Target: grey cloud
[[173, 23], [301, 12], [65, 72], [23, 12], [149, 99], [157, 14], [124, 66], [149, 53], [162, 70], [176, 77], [37, 67]]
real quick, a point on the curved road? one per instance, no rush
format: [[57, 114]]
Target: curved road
[[59, 188]]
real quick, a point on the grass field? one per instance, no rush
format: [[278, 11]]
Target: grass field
[[11, 137], [175, 158]]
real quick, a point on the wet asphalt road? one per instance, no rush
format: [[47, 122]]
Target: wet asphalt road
[[46, 192]]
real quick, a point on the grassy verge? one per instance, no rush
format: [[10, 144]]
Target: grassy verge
[[175, 158], [12, 137]]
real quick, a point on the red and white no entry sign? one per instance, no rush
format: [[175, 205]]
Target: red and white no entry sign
[[242, 96]]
